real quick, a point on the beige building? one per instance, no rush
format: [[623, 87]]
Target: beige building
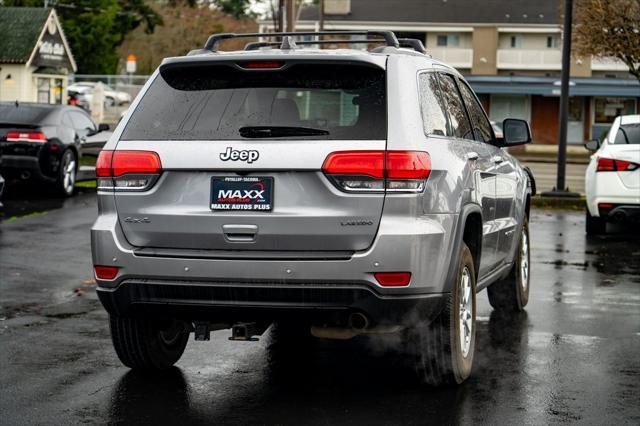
[[510, 52], [34, 56]]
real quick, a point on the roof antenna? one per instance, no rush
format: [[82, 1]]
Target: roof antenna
[[288, 43]]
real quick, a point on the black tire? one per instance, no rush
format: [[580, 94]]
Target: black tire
[[148, 345], [511, 294], [65, 182], [595, 225], [437, 349]]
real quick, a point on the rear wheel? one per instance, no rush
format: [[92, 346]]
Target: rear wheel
[[512, 293], [595, 225], [148, 345], [65, 183], [443, 350]]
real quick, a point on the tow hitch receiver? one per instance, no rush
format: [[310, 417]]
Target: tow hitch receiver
[[202, 330], [245, 331]]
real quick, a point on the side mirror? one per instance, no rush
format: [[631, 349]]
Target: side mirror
[[515, 132], [592, 145], [103, 127]]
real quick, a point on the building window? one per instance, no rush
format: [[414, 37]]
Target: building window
[[553, 42], [516, 41], [448, 40], [607, 109], [44, 90]]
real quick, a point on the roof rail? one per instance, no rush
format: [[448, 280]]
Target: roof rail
[[258, 44], [212, 42], [413, 43]]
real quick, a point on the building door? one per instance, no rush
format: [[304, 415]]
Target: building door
[[575, 122]]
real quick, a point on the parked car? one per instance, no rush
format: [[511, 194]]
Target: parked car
[[45, 142], [612, 179], [112, 97], [332, 192]]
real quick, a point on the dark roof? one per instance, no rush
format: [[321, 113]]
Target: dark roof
[[20, 28], [447, 11]]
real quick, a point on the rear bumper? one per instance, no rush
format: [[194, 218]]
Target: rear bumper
[[620, 212], [233, 302], [18, 165]]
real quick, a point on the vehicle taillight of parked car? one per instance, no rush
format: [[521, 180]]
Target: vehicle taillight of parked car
[[611, 165], [127, 170]]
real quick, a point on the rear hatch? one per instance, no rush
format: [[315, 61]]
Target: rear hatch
[[242, 145]]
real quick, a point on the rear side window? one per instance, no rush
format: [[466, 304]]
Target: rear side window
[[225, 102], [432, 105], [12, 113], [481, 126], [628, 134], [457, 115]]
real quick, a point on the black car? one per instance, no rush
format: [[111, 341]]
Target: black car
[[45, 142]]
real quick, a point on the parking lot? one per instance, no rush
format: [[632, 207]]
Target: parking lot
[[571, 357]]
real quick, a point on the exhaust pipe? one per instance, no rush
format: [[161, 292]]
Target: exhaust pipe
[[620, 215], [25, 175], [358, 322]]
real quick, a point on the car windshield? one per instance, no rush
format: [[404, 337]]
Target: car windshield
[[628, 134], [222, 102]]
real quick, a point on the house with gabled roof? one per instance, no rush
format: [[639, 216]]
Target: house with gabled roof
[[35, 58]]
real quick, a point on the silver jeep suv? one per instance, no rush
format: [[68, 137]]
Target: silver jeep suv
[[331, 192]]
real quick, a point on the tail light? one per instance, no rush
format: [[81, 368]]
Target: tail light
[[376, 171], [611, 165], [26, 137], [393, 279], [105, 272], [127, 170]]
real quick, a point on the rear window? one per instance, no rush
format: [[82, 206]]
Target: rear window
[[628, 134], [224, 102], [23, 114]]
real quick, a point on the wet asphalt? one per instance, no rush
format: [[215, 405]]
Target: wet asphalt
[[572, 357]]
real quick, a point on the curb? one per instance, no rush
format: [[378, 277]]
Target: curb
[[558, 203]]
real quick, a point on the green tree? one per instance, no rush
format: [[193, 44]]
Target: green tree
[[96, 28]]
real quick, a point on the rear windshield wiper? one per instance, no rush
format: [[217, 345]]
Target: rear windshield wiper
[[279, 131]]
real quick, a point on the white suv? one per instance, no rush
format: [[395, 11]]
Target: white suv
[[613, 176]]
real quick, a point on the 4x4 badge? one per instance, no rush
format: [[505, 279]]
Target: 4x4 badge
[[243, 155]]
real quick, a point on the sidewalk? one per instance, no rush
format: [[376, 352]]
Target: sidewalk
[[576, 154]]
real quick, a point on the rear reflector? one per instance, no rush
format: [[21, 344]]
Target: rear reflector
[[605, 206], [398, 171], [26, 137], [393, 279], [105, 272], [611, 165]]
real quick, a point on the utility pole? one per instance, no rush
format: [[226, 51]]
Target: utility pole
[[291, 16], [561, 189], [321, 11]]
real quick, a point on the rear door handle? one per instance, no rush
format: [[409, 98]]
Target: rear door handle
[[497, 159], [240, 233]]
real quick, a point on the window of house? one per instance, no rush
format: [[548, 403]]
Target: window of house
[[44, 90], [457, 116], [607, 109], [452, 40], [481, 126], [432, 106], [516, 41], [553, 42]]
